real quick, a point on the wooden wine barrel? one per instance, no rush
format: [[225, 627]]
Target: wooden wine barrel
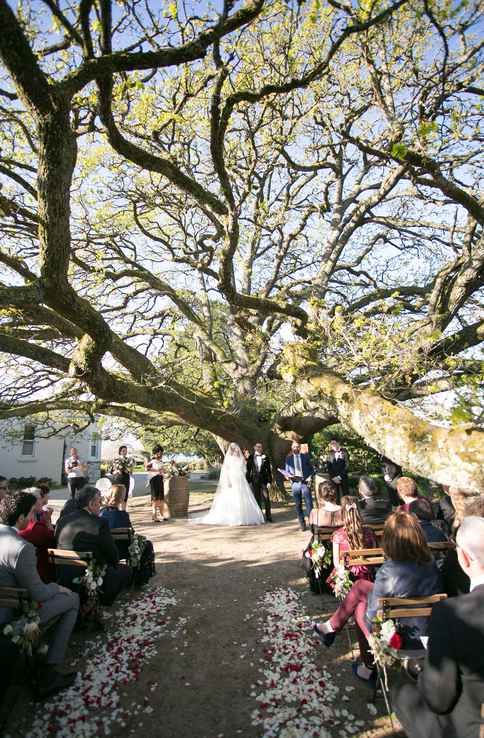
[[178, 497]]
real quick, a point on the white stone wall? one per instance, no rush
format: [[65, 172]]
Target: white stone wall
[[48, 454]]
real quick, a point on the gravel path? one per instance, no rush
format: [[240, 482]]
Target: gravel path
[[200, 683]]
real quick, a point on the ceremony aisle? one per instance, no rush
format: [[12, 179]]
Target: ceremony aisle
[[216, 665]]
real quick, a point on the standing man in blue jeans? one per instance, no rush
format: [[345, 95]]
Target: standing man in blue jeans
[[299, 470]]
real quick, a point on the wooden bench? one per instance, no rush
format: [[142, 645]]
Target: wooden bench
[[364, 557]]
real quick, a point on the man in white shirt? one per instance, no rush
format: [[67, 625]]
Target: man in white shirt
[[76, 471], [299, 470]]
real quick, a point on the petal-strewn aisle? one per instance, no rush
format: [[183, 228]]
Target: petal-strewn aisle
[[210, 678]]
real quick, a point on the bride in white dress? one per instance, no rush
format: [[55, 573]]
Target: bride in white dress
[[234, 503]]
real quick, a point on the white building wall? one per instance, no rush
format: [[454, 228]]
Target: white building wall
[[47, 457]]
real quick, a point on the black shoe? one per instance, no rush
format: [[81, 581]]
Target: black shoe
[[269, 520], [326, 638], [54, 683], [303, 526]]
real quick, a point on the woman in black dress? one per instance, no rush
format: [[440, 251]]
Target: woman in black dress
[[121, 469], [155, 467]]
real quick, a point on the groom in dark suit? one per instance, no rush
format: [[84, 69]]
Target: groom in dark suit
[[448, 698], [259, 476]]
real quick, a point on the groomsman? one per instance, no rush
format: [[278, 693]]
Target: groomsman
[[259, 476], [337, 464], [299, 470]]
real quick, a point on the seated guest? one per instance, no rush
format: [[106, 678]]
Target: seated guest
[[352, 536], [4, 489], [112, 513], [409, 571], [69, 506], [18, 568], [445, 511], [40, 533], [83, 530], [475, 507], [374, 506], [423, 511], [328, 513], [391, 472], [115, 517], [407, 491], [448, 698], [456, 581]]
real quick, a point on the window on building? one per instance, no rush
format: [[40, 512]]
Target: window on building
[[94, 445], [28, 442]]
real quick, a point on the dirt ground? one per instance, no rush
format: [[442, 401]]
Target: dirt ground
[[204, 678]]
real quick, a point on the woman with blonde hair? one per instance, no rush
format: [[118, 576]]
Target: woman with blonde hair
[[409, 571], [328, 513], [113, 513]]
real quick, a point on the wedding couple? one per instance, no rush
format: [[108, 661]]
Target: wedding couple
[[242, 490]]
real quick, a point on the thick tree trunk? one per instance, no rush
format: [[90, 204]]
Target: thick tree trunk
[[451, 456]]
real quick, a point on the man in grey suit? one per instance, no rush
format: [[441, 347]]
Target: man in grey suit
[[18, 568]]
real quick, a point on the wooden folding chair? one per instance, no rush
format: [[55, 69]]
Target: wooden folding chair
[[442, 546], [13, 596], [16, 597], [377, 529], [64, 557], [364, 557], [122, 539], [399, 608], [323, 533]]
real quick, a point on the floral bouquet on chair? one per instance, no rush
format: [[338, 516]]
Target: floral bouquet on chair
[[385, 641], [24, 630], [320, 557]]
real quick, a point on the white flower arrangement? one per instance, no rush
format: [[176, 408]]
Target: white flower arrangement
[[24, 630], [385, 642], [135, 550], [320, 556], [93, 578], [342, 583], [296, 697]]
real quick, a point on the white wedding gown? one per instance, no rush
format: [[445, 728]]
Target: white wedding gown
[[234, 503]]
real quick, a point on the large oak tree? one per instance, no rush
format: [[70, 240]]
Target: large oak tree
[[257, 222]]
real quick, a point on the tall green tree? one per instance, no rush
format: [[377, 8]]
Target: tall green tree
[[255, 220]]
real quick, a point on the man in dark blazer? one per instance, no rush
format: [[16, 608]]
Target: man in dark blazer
[[259, 476], [337, 464], [83, 530], [374, 506], [299, 470], [448, 697]]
